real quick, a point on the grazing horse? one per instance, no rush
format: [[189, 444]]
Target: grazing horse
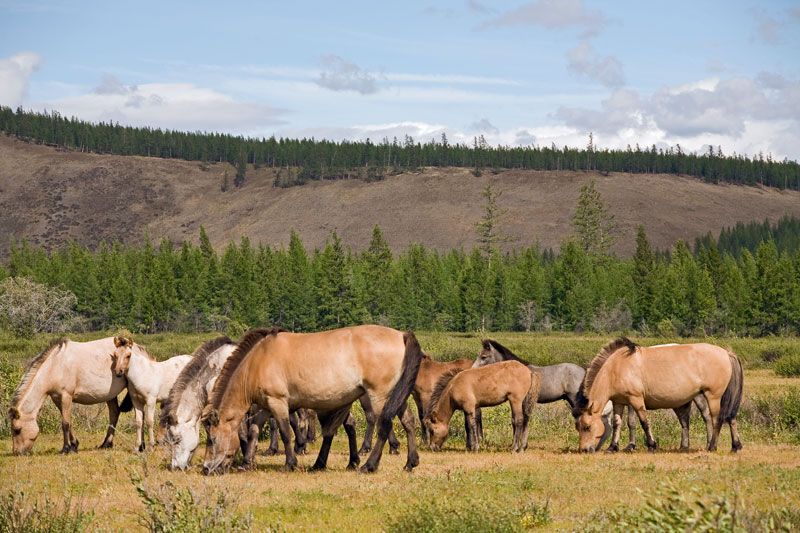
[[149, 381], [660, 377], [429, 373], [325, 371], [69, 372], [180, 412], [559, 382], [509, 381]]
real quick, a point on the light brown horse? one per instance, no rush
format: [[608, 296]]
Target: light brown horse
[[68, 372], [660, 377], [325, 371], [467, 390]]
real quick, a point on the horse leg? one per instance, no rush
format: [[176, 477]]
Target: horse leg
[[641, 412], [64, 404], [299, 436], [273, 436], [330, 422], [352, 441], [369, 414], [138, 410], [517, 422], [716, 422], [736, 444], [421, 416], [407, 420], [311, 431], [526, 418], [479, 423], [469, 425], [280, 410], [252, 429], [150, 415], [384, 424], [394, 444], [632, 419], [702, 405], [113, 417], [468, 431], [616, 427], [608, 412], [684, 413]]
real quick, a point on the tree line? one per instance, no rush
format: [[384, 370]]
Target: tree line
[[312, 159], [192, 287]]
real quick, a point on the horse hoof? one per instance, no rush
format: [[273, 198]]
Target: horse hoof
[[106, 446], [630, 447], [141, 447], [270, 451], [65, 450], [368, 468], [394, 451], [651, 449], [352, 465], [365, 451], [289, 468], [319, 468], [612, 449]]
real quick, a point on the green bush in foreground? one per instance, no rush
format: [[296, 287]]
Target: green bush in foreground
[[678, 512], [20, 514], [788, 366], [469, 516], [171, 509]]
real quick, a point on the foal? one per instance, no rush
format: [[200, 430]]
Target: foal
[[467, 390], [149, 381]]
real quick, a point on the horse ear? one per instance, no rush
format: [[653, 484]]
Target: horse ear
[[119, 341], [487, 345], [13, 413], [210, 416]]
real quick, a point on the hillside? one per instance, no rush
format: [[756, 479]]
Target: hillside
[[50, 196]]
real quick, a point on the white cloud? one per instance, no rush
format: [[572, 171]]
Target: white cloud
[[606, 70], [15, 71], [552, 14], [180, 106], [338, 74], [483, 126]]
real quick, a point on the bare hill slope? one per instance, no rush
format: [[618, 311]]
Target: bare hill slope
[[49, 197]]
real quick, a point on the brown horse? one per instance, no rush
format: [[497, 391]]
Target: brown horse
[[660, 377], [325, 371], [467, 390], [68, 372]]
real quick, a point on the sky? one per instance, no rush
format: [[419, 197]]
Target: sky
[[720, 73]]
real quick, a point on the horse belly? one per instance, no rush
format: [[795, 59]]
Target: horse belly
[[325, 395], [670, 397]]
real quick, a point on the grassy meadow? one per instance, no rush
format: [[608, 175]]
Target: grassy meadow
[[550, 486]]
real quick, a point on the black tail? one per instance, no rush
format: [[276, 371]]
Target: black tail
[[127, 403], [402, 389], [732, 397]]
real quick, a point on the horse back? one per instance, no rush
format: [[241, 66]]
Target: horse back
[[84, 370], [491, 385]]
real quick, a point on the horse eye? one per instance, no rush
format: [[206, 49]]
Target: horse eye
[[16, 431]]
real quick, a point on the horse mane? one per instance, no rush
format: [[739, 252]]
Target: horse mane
[[190, 373], [32, 368], [143, 350], [441, 384], [507, 354], [599, 360], [250, 339]]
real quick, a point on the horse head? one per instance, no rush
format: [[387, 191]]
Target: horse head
[[223, 441], [24, 430], [590, 430], [121, 356], [437, 429]]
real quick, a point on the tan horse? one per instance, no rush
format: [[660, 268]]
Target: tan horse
[[660, 377], [149, 381], [325, 371], [68, 372], [487, 386]]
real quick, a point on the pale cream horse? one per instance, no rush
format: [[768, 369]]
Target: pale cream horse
[[149, 381], [68, 372], [660, 377]]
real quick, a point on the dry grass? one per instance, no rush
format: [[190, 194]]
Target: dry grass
[[50, 196]]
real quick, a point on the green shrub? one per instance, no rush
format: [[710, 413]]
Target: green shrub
[[788, 366], [674, 511], [18, 514], [468, 516], [169, 509]]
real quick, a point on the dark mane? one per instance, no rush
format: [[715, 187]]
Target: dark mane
[[250, 339], [189, 374], [32, 367], [441, 384], [507, 354], [600, 359]]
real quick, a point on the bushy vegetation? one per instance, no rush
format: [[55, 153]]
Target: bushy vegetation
[[788, 365], [311, 159], [674, 510], [20, 513], [27, 307], [469, 516], [172, 509]]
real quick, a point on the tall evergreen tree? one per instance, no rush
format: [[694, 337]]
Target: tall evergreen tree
[[593, 221]]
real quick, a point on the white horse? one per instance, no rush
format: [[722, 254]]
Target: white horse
[[68, 372], [149, 381], [180, 413]]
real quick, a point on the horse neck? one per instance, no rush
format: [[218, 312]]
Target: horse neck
[[444, 407], [38, 388], [236, 399], [600, 393], [141, 366]]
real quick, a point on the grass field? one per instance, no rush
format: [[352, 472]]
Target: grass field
[[549, 486]]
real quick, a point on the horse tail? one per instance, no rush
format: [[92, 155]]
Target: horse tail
[[732, 397], [533, 392], [402, 389], [127, 403]]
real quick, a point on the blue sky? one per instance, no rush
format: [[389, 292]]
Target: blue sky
[[541, 72]]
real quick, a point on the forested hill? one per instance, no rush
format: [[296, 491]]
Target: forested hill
[[50, 196], [310, 159]]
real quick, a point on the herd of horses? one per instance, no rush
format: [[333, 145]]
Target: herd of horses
[[231, 390]]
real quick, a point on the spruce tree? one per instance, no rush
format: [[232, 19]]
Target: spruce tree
[[643, 279], [593, 221], [376, 272]]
